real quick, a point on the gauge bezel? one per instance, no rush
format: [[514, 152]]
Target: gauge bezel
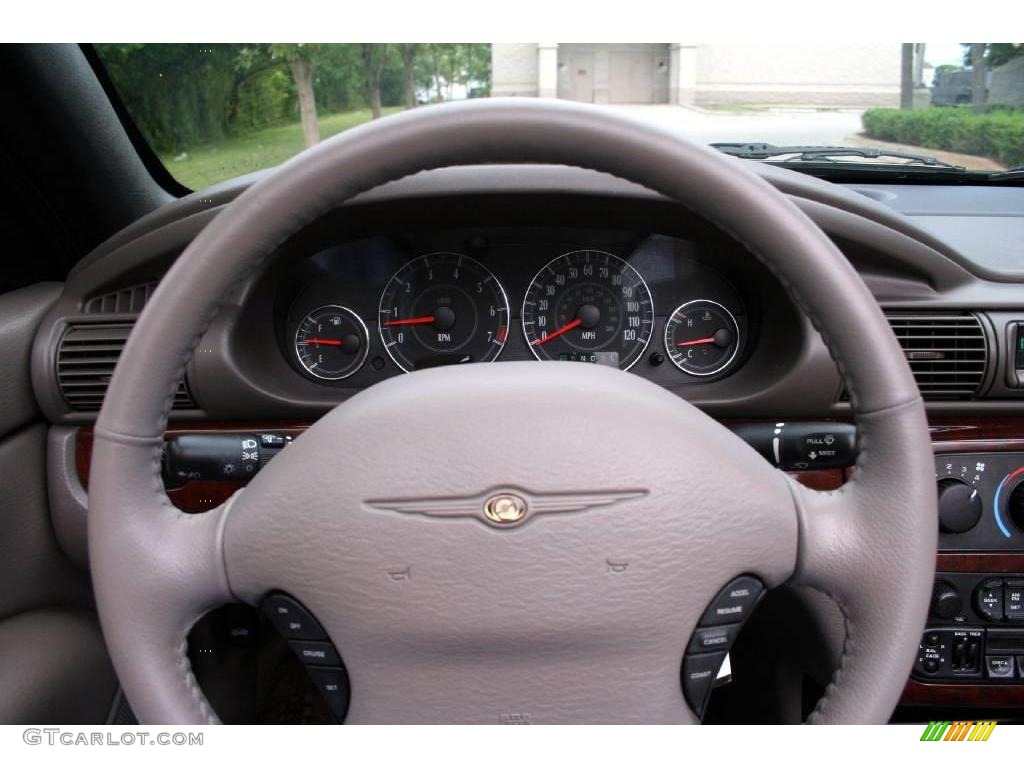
[[365, 352], [485, 270], [736, 331], [529, 287]]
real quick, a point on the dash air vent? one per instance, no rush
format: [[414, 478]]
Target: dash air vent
[[129, 300], [86, 357], [947, 352]]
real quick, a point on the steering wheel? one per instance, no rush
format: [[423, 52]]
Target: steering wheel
[[529, 620]]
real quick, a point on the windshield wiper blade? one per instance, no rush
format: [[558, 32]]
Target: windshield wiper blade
[[825, 154]]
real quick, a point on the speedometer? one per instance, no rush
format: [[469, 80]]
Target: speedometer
[[588, 306], [443, 309]]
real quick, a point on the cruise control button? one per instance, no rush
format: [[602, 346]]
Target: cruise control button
[[1013, 599], [332, 682], [322, 654], [999, 666], [699, 671], [734, 603], [990, 600], [291, 619], [713, 638]]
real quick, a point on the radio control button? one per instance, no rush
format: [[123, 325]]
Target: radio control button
[[999, 666], [1013, 599], [990, 600]]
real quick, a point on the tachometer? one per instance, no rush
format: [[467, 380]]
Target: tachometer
[[588, 306], [442, 309], [331, 342]]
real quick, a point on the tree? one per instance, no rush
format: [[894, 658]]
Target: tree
[[907, 76], [408, 53], [374, 59], [978, 89], [301, 60]]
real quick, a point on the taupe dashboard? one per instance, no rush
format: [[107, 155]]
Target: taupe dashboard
[[525, 252]]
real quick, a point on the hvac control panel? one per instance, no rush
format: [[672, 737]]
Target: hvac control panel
[[981, 501], [975, 630]]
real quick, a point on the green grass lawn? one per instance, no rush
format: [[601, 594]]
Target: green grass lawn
[[207, 164]]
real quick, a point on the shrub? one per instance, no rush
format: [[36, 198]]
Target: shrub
[[998, 134]]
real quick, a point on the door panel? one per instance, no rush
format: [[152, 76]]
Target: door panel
[[53, 663]]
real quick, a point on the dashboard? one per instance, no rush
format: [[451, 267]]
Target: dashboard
[[481, 266]]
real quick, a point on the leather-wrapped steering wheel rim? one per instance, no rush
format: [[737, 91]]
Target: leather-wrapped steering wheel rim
[[869, 545]]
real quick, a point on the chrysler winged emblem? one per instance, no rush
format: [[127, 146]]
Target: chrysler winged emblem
[[504, 507]]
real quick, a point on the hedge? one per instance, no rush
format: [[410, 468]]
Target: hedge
[[998, 134]]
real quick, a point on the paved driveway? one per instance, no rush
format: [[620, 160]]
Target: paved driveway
[[781, 126], [776, 126]]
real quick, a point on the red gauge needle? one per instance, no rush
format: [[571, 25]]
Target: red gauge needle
[[708, 340], [326, 342], [412, 321], [555, 334]]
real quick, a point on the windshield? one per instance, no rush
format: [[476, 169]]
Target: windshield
[[213, 112]]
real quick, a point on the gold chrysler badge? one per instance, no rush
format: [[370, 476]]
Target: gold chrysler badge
[[505, 509]]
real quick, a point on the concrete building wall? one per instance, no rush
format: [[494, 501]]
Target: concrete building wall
[[815, 74], [846, 74], [514, 69]]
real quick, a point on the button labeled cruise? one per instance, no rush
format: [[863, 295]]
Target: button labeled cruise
[[734, 603], [321, 654]]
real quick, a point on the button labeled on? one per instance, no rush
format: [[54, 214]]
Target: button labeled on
[[291, 619]]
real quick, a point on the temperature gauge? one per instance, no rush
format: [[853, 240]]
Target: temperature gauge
[[701, 337]]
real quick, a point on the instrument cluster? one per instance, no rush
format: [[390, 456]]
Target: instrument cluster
[[395, 304]]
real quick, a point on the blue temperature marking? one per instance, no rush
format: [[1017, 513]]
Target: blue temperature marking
[[998, 502]]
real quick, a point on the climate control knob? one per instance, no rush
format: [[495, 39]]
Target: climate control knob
[[959, 505]]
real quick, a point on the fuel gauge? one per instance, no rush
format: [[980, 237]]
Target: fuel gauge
[[702, 337], [331, 343]]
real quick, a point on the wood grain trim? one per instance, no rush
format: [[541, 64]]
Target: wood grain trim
[[202, 495], [917, 693]]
